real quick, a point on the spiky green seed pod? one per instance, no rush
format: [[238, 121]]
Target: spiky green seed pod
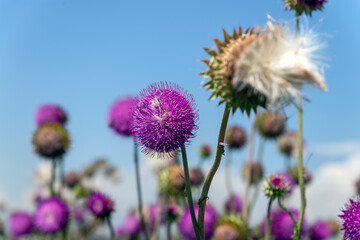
[[221, 71], [230, 227]]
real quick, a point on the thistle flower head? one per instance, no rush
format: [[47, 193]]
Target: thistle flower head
[[164, 119], [49, 113], [320, 230], [196, 176], [21, 223], [276, 187], [351, 219], [130, 228], [271, 124], [282, 226], [51, 215], [233, 204], [205, 150], [305, 6], [100, 205], [172, 181], [231, 227], [288, 144], [72, 179], [222, 69], [173, 212], [51, 140], [235, 137], [257, 172], [120, 115], [186, 227]]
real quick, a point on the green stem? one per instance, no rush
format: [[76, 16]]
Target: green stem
[[287, 211], [228, 182], [215, 166], [62, 175], [245, 209], [300, 158], [52, 181], [111, 228], [188, 193], [138, 188], [268, 226], [168, 230]]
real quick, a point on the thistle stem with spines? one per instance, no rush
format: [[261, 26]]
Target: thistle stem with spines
[[138, 188], [211, 174], [188, 194]]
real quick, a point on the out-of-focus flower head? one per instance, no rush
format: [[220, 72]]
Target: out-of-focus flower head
[[173, 212], [78, 214], [196, 176], [158, 162], [235, 137], [186, 227], [257, 172], [305, 6], [271, 124], [49, 113], [165, 118], [320, 230], [295, 175], [233, 204], [205, 150], [21, 223], [130, 228], [51, 140], [72, 179], [334, 224], [51, 215], [276, 187], [351, 219], [282, 227], [120, 115], [230, 227], [100, 163], [172, 181], [100, 205], [288, 144], [223, 72]]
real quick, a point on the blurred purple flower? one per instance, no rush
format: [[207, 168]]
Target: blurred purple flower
[[100, 205], [164, 119], [233, 204], [131, 227], [51, 215], [50, 114], [120, 115], [21, 223], [186, 227], [320, 230]]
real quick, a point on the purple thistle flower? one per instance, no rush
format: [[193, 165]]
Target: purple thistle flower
[[186, 227], [50, 114], [164, 119], [351, 220], [290, 181], [282, 227], [320, 230], [21, 223], [233, 204], [120, 115], [100, 205], [131, 227], [79, 215], [51, 215]]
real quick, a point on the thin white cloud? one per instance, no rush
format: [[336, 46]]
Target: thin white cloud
[[336, 149]]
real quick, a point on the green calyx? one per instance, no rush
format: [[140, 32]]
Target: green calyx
[[275, 192]]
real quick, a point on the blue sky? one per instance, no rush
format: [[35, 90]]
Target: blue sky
[[85, 54]]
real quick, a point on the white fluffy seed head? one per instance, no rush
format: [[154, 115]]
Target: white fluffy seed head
[[278, 63]]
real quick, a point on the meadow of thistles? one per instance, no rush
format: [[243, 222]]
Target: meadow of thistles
[[164, 119]]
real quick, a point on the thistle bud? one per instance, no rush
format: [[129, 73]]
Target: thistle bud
[[271, 124], [235, 137]]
